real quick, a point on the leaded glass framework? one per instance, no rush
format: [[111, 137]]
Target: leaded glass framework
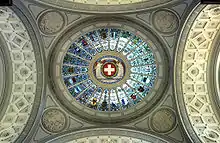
[[107, 2], [109, 69]]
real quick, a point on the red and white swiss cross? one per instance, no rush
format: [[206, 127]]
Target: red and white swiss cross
[[109, 69]]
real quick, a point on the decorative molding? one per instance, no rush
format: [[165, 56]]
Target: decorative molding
[[109, 139], [194, 97], [90, 8], [104, 133], [6, 73], [165, 21], [24, 84], [87, 113], [54, 120], [163, 120], [51, 22]]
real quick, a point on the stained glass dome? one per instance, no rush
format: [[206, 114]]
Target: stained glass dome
[[106, 6], [107, 2], [109, 69]]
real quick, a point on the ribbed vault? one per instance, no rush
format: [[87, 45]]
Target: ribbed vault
[[23, 85], [106, 6], [193, 83]]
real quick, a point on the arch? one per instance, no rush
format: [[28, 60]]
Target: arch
[[194, 98], [106, 134], [27, 75]]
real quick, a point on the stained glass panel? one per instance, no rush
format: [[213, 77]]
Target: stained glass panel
[[109, 69]]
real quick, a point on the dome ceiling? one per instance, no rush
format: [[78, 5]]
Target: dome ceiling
[[194, 84], [2, 74], [106, 2], [112, 78], [109, 70], [22, 90], [107, 135], [105, 6]]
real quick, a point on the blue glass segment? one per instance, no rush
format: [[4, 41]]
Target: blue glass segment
[[87, 70]]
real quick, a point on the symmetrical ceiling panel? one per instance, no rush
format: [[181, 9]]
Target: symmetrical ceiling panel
[[109, 77], [106, 2], [24, 78], [106, 6], [24, 75], [108, 70], [194, 88], [104, 135]]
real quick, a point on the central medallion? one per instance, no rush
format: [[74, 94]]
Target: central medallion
[[109, 69]]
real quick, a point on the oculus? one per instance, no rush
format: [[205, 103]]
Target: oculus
[[109, 69]]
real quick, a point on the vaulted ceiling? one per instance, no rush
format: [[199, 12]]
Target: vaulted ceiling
[[109, 71]]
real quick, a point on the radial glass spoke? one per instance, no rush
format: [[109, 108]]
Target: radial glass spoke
[[69, 59], [134, 43], [68, 71], [104, 101], [143, 65], [79, 57], [147, 58], [114, 102], [92, 101], [79, 51], [141, 50], [84, 96], [123, 98], [94, 40], [95, 98], [144, 79], [76, 90], [146, 69], [136, 52], [70, 65], [114, 37], [71, 81], [123, 40], [83, 44], [139, 62], [103, 36], [131, 94], [138, 87]]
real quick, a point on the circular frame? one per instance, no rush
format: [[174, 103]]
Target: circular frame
[[173, 126], [43, 13], [102, 71], [123, 8], [168, 10], [109, 86], [14, 132], [182, 91], [6, 72], [89, 114], [214, 73], [72, 136], [54, 108]]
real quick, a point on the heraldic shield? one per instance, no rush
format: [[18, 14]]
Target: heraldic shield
[[109, 69]]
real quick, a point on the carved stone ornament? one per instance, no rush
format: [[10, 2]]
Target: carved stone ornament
[[165, 21], [51, 22], [163, 120], [54, 120]]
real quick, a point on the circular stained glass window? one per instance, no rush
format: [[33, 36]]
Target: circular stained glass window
[[109, 69]]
